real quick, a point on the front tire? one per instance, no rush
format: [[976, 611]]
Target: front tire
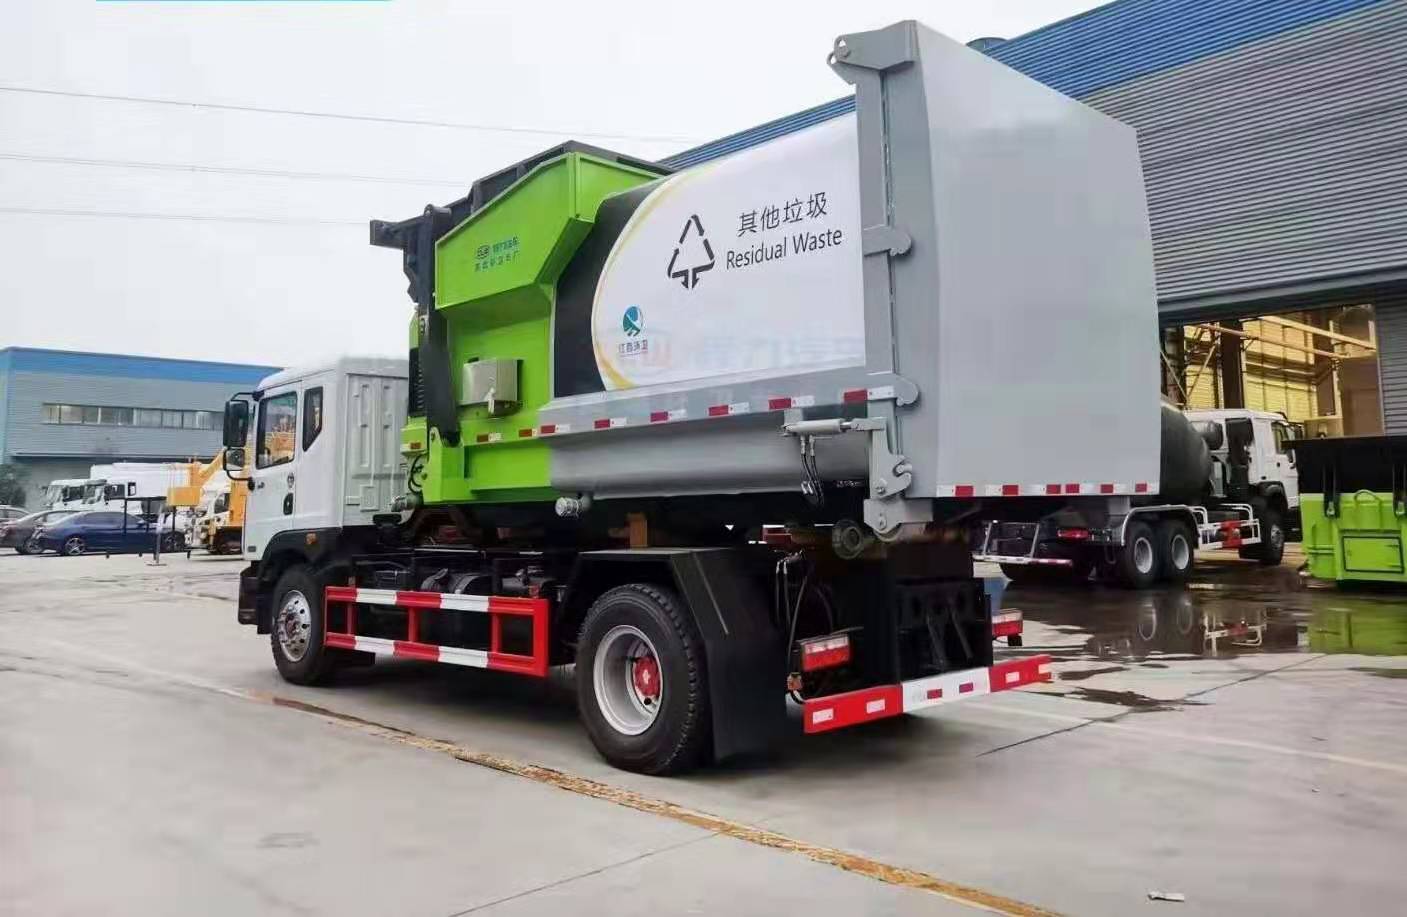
[[1177, 553], [1271, 549], [641, 681], [296, 629], [73, 546], [1136, 564]]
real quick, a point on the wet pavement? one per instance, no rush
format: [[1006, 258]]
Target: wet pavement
[[1240, 742], [1229, 612]]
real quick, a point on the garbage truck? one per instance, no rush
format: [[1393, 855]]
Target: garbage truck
[[618, 375]]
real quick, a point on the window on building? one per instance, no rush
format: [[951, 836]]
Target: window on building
[[129, 417], [312, 416], [278, 424]]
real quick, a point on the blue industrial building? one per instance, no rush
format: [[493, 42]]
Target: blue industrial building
[[61, 411], [1271, 135]]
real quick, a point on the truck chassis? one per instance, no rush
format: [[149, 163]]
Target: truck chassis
[[743, 628], [1139, 546]]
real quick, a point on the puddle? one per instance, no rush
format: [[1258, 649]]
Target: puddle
[[1082, 674], [1228, 609], [1132, 700], [1381, 673]]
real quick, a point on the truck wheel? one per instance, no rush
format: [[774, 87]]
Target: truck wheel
[[1272, 537], [1177, 552], [1137, 561], [297, 628], [641, 684]]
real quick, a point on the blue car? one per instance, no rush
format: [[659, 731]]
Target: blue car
[[103, 532]]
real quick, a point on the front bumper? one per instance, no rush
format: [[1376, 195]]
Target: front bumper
[[836, 711]]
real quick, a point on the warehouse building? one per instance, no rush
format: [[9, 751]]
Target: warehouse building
[[1272, 135], [62, 412]]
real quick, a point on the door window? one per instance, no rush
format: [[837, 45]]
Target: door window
[[278, 425], [312, 416], [1283, 433], [1239, 439]]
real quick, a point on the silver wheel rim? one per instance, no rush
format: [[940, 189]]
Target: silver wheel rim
[[1277, 536], [1181, 552], [73, 547], [1143, 555], [625, 665], [294, 626]]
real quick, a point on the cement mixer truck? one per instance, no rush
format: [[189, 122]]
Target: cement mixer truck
[[866, 335]]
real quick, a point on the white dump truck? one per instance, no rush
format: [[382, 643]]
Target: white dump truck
[[871, 333]]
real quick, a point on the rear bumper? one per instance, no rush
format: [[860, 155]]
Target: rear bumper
[[837, 711]]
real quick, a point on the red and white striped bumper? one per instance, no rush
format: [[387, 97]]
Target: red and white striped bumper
[[417, 602], [837, 711]]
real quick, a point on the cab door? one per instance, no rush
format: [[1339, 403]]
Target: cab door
[[1289, 474], [272, 481]]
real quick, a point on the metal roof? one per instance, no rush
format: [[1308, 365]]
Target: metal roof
[[1106, 46]]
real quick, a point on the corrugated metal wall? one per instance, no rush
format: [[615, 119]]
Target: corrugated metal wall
[[1284, 161], [1391, 315]]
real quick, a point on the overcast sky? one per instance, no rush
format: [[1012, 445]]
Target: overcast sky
[[259, 253]]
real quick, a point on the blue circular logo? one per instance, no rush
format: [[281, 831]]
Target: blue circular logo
[[633, 321]]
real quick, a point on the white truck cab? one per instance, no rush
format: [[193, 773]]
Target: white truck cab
[[326, 448], [67, 493], [1255, 441]]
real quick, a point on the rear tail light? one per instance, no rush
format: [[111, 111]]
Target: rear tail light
[[1007, 623], [825, 652], [1072, 534]]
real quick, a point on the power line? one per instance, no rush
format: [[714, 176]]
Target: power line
[[341, 116], [229, 170], [178, 217]]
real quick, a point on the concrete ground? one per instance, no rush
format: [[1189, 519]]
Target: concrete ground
[[1239, 742]]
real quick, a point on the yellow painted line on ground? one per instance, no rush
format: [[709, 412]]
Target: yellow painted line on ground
[[583, 786]]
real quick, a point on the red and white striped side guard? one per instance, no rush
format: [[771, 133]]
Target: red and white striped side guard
[[1067, 489], [837, 711], [417, 602]]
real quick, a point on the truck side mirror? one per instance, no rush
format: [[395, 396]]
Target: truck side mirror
[[236, 424]]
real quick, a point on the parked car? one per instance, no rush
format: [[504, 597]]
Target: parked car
[[104, 531], [11, 513], [18, 532]]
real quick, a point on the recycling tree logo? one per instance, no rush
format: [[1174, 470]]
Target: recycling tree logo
[[692, 256], [633, 321]]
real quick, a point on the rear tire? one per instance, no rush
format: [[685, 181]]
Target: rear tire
[[296, 628], [637, 639], [73, 546], [1177, 553], [1136, 563]]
